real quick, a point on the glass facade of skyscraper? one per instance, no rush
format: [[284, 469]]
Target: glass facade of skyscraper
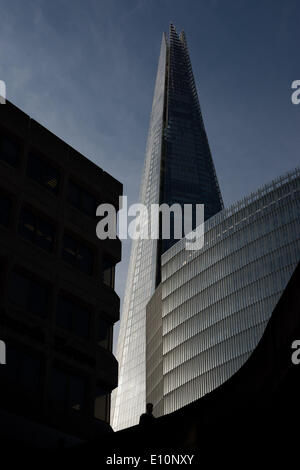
[[188, 175], [215, 302], [178, 169]]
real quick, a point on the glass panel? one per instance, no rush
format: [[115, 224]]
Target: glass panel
[[81, 199], [103, 333], [100, 409], [5, 209], [38, 299], [70, 247], [45, 235], [32, 296], [12, 366], [82, 322], [72, 317], [77, 393], [108, 272], [9, 150], [64, 313], [85, 259], [27, 225], [78, 254], [30, 373], [18, 290], [88, 204], [23, 369], [36, 230], [43, 172], [59, 388], [74, 194]]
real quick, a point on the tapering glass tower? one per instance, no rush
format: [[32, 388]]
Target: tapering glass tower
[[178, 169]]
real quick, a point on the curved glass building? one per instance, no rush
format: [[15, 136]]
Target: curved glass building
[[213, 304]]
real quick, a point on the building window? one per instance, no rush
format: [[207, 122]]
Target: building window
[[3, 268], [82, 199], [23, 369], [5, 210], [29, 294], [9, 150], [43, 172], [108, 272], [37, 230], [104, 333], [78, 254], [73, 317], [101, 404], [67, 392]]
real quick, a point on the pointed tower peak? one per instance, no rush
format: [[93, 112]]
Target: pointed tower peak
[[178, 168], [172, 31], [173, 28], [182, 38]]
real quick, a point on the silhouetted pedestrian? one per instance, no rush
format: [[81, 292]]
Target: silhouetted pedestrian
[[147, 418]]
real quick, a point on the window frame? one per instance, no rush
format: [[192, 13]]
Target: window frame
[[38, 219], [11, 199], [67, 296], [102, 317], [65, 405], [80, 243], [34, 153], [16, 139], [82, 190], [32, 279]]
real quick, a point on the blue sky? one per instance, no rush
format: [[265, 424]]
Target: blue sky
[[85, 69]]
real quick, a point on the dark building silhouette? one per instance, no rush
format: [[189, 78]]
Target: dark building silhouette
[[57, 302], [254, 415]]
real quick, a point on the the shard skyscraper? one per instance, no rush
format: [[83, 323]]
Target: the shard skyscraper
[[178, 169]]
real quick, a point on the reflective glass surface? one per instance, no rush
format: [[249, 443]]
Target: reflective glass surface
[[178, 169], [128, 401], [41, 171], [9, 150], [5, 209]]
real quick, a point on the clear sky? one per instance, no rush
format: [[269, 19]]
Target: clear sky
[[85, 69]]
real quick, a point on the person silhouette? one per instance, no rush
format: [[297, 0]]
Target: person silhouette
[[147, 418]]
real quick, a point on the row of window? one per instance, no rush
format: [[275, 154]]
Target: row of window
[[66, 391], [42, 233], [47, 175], [34, 296]]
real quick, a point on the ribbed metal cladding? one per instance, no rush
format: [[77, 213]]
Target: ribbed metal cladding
[[217, 301]]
